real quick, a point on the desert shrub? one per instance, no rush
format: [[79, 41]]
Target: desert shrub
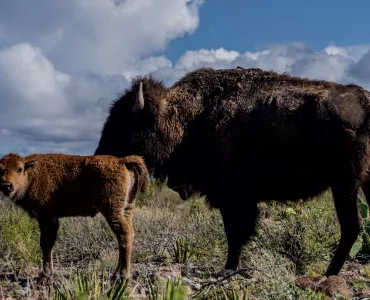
[[83, 239], [279, 289], [306, 233], [157, 195], [19, 236], [361, 248]]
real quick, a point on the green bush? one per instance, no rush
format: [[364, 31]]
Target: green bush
[[362, 245], [20, 236], [306, 233]]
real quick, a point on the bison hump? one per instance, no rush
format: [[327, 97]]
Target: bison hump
[[348, 107]]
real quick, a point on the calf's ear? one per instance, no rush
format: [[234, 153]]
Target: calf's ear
[[29, 164]]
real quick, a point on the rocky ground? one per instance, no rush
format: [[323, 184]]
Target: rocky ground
[[352, 284]]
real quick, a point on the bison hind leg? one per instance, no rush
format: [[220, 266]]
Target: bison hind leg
[[345, 199]]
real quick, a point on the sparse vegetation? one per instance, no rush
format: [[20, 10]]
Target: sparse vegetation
[[178, 249]]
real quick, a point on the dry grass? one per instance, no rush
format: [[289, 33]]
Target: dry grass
[[173, 239]]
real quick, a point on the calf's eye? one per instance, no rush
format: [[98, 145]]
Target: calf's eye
[[19, 170]]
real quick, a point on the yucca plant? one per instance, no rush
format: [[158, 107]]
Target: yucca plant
[[183, 250], [87, 285], [174, 290]]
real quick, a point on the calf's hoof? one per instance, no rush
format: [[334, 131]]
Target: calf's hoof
[[123, 276], [44, 278]]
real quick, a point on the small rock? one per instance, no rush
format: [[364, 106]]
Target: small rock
[[309, 282], [331, 286], [334, 285], [164, 273]]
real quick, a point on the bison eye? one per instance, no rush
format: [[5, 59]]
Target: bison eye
[[19, 170]]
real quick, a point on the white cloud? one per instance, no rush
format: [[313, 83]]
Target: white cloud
[[42, 105], [31, 80], [334, 50], [332, 63], [62, 65], [97, 35], [219, 57], [361, 69]]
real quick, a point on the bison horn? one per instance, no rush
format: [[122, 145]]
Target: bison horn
[[139, 104]]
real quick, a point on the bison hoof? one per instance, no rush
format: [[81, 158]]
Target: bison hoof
[[245, 272], [226, 273]]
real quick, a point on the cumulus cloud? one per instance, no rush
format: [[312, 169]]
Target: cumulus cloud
[[331, 63], [98, 35], [63, 64], [42, 104], [361, 69]]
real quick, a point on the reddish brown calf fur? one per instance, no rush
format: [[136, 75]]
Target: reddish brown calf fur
[[50, 186]]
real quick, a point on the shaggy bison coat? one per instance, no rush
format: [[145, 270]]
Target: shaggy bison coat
[[240, 136], [50, 186]]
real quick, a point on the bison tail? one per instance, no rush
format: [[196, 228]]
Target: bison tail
[[137, 165]]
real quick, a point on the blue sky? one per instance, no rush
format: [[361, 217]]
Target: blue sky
[[253, 24], [62, 64]]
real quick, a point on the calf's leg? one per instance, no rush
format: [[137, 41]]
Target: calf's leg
[[122, 230], [345, 199], [48, 235], [129, 214]]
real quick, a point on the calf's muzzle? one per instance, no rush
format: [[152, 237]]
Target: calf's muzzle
[[6, 188]]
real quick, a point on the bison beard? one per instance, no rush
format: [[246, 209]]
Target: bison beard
[[241, 136]]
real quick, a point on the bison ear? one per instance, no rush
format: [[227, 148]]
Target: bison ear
[[29, 165], [139, 103]]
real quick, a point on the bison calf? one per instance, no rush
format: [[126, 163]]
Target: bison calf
[[50, 186]]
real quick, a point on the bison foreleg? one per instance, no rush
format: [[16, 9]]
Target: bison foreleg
[[345, 199], [123, 231], [239, 224], [48, 235]]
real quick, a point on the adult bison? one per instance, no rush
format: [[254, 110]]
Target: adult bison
[[241, 136]]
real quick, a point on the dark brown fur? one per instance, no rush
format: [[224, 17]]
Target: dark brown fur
[[241, 136], [50, 186]]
